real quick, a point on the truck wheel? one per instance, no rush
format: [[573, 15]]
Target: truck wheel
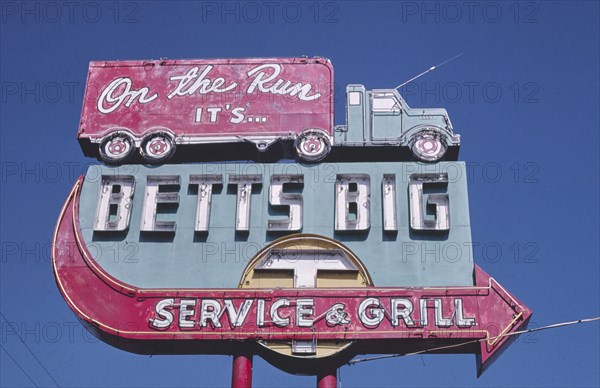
[[312, 145], [116, 148], [428, 147], [157, 147]]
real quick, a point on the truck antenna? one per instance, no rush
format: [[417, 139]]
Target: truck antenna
[[428, 70]]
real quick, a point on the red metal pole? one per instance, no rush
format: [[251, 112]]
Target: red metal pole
[[241, 374], [327, 379]]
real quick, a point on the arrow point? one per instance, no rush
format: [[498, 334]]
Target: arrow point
[[505, 315]]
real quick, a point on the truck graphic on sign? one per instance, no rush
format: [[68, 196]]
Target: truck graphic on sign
[[154, 107]]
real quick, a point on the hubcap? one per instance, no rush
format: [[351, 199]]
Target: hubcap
[[312, 146], [158, 146], [428, 147], [117, 147]]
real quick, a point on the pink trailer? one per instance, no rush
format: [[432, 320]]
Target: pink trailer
[[155, 106]]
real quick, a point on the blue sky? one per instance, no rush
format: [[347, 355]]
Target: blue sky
[[524, 96]]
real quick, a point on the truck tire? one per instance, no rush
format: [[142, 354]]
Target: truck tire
[[116, 148], [157, 147], [312, 145], [428, 146]]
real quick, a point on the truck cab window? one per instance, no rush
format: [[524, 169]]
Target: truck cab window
[[354, 98], [385, 103]]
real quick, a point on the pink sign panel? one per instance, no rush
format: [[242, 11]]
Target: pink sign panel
[[199, 99]]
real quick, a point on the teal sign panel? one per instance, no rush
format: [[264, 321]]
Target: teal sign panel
[[199, 225]]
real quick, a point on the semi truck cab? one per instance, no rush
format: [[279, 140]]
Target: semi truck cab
[[381, 117]]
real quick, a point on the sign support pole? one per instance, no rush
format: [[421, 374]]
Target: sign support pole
[[327, 379], [241, 375]]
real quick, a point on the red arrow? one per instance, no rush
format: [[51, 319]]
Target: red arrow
[[404, 318]]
